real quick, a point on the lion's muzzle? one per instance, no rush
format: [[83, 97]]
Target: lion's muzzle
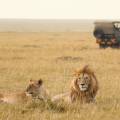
[[83, 87]]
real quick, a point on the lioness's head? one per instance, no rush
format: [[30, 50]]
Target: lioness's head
[[34, 88]]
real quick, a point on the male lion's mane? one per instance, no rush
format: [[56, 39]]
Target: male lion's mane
[[89, 95]]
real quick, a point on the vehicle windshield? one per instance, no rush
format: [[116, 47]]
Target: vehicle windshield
[[117, 25]]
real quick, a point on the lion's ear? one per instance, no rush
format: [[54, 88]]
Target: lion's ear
[[40, 82]]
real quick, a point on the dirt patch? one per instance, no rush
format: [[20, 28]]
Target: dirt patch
[[32, 46], [68, 58], [12, 58]]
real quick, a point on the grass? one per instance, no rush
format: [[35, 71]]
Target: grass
[[54, 57]]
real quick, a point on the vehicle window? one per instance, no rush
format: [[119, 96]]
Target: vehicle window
[[117, 25]]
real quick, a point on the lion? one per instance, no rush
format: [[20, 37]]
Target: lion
[[83, 87], [34, 90]]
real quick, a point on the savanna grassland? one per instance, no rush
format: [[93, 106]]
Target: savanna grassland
[[54, 57]]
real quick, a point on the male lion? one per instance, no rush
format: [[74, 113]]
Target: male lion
[[85, 86], [34, 90]]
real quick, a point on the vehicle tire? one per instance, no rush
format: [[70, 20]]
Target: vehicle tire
[[98, 33], [116, 45], [102, 46]]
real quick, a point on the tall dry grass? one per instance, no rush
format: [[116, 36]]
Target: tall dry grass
[[54, 57]]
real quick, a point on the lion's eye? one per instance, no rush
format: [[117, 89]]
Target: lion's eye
[[79, 78], [86, 78]]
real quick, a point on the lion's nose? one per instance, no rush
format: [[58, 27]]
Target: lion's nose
[[30, 92], [82, 84]]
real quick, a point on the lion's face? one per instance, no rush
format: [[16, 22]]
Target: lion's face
[[83, 81], [34, 88]]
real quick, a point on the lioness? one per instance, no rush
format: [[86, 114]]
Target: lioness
[[34, 90]]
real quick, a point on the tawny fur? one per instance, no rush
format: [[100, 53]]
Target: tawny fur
[[14, 98]]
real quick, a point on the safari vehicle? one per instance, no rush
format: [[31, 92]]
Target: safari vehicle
[[107, 34]]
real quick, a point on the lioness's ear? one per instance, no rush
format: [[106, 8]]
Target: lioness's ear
[[31, 81], [40, 82]]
